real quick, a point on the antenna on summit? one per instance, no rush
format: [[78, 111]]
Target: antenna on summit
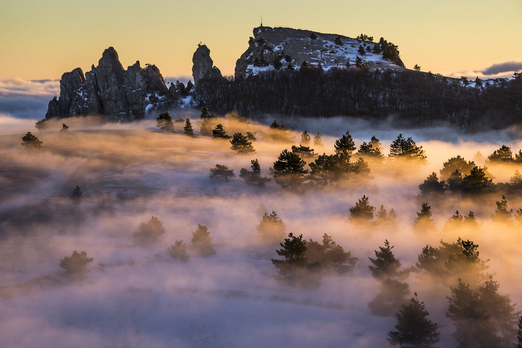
[[261, 20]]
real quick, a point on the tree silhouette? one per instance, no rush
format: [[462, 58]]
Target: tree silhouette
[[362, 212], [305, 139], [432, 186], [202, 242], [219, 133], [76, 193], [164, 122], [178, 251], [423, 223], [318, 141], [330, 256], [295, 266], [414, 329], [345, 144], [65, 128], [221, 171], [188, 128], [385, 265], [289, 170], [406, 149], [253, 176], [149, 233], [75, 266], [502, 215], [31, 142], [271, 228], [241, 144]]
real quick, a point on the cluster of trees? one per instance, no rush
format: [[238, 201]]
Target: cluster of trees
[[465, 178], [416, 99], [149, 233]]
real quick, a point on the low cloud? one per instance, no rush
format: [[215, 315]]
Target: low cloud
[[503, 67]]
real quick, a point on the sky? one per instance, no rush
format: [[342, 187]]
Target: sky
[[42, 39]]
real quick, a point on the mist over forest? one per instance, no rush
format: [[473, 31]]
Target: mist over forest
[[183, 256]]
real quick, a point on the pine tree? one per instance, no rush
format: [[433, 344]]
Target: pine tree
[[188, 128], [502, 215], [345, 144], [76, 193], [65, 128], [289, 170], [75, 266], [502, 155], [456, 163], [241, 144], [386, 219], [206, 122], [432, 186], [219, 133], [294, 266], [149, 233], [423, 223], [305, 139], [361, 51], [253, 176], [31, 142], [477, 182], [202, 242], [414, 329], [371, 150], [406, 149], [318, 141], [271, 228], [330, 256], [417, 67], [221, 171], [305, 152], [178, 251], [385, 265], [362, 212], [42, 125], [164, 122]]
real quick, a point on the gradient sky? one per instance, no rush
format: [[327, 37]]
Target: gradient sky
[[42, 39]]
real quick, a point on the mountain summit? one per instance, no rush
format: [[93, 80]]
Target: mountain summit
[[283, 48]]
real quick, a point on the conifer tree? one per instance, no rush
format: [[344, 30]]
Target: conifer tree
[[31, 142], [305, 139], [502, 155], [453, 164], [206, 122], [385, 218], [406, 149], [423, 223], [250, 136], [42, 125], [65, 128], [75, 266], [385, 265], [477, 182], [502, 215], [164, 122], [178, 251], [271, 228], [221, 171], [76, 193], [318, 141], [345, 144], [330, 256], [362, 212], [149, 233], [432, 186], [188, 128], [253, 176], [241, 144], [219, 132], [414, 329], [202, 242], [371, 150], [289, 170], [294, 266], [305, 152]]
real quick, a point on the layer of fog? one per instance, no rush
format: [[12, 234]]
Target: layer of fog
[[137, 296]]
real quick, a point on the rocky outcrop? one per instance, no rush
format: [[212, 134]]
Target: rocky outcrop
[[282, 48], [110, 90], [203, 66]]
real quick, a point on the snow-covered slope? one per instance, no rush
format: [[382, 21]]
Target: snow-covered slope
[[294, 46]]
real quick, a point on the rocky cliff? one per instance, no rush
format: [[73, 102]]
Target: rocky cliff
[[203, 66], [283, 48], [112, 91]]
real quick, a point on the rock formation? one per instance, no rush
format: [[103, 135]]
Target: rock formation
[[276, 48], [203, 67], [112, 91]]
